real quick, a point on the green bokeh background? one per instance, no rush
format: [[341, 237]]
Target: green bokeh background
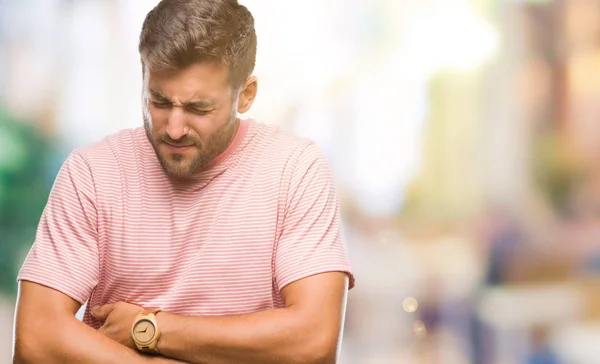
[[25, 181]]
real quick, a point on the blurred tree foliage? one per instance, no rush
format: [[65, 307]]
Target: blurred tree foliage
[[25, 183]]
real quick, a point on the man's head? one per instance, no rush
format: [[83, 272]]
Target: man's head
[[197, 58]]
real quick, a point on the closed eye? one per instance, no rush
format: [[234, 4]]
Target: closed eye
[[198, 111], [160, 105]]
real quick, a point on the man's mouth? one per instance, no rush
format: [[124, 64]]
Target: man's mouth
[[179, 147]]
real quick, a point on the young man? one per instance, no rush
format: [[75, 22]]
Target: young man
[[229, 227]]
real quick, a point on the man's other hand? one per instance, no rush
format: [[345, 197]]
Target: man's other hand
[[118, 319]]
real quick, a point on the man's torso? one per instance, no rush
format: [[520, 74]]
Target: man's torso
[[200, 248]]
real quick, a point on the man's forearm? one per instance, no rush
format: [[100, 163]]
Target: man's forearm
[[67, 340], [275, 336]]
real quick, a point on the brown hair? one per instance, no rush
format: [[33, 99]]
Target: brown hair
[[178, 33]]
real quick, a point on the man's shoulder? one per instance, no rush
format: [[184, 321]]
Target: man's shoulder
[[274, 143], [113, 148]]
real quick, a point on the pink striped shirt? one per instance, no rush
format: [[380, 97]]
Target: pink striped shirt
[[263, 214]]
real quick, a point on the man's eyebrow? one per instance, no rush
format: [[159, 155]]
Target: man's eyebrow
[[157, 95], [201, 104], [198, 104]]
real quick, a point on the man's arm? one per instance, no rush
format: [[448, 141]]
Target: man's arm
[[47, 331], [305, 331]]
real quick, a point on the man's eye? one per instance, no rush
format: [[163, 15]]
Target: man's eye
[[160, 105], [198, 111]]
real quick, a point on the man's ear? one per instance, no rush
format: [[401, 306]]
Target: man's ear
[[247, 95]]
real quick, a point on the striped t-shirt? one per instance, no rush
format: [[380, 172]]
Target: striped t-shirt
[[261, 215]]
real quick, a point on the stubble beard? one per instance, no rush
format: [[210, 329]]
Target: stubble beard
[[174, 164]]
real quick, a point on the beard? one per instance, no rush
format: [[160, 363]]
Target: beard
[[182, 165]]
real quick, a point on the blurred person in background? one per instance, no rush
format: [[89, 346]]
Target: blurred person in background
[[199, 237]]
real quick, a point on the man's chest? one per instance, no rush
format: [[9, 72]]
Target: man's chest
[[204, 254]]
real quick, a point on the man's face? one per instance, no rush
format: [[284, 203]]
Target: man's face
[[189, 116]]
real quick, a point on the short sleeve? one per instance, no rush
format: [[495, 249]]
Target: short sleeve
[[64, 255], [311, 237]]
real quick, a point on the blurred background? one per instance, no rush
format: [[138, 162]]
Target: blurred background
[[464, 136]]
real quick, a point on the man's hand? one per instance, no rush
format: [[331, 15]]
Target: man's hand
[[40, 307], [118, 319]]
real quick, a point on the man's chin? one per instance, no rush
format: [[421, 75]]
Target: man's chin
[[176, 166], [180, 166], [178, 170]]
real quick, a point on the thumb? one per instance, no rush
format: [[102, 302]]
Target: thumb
[[102, 312]]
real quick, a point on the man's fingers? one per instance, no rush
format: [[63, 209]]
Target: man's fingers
[[102, 312]]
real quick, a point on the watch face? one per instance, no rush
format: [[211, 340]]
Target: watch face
[[144, 331]]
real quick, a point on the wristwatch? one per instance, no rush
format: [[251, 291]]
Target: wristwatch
[[145, 332]]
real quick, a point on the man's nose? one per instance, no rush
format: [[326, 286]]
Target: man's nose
[[176, 126]]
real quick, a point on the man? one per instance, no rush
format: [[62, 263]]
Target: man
[[229, 227]]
